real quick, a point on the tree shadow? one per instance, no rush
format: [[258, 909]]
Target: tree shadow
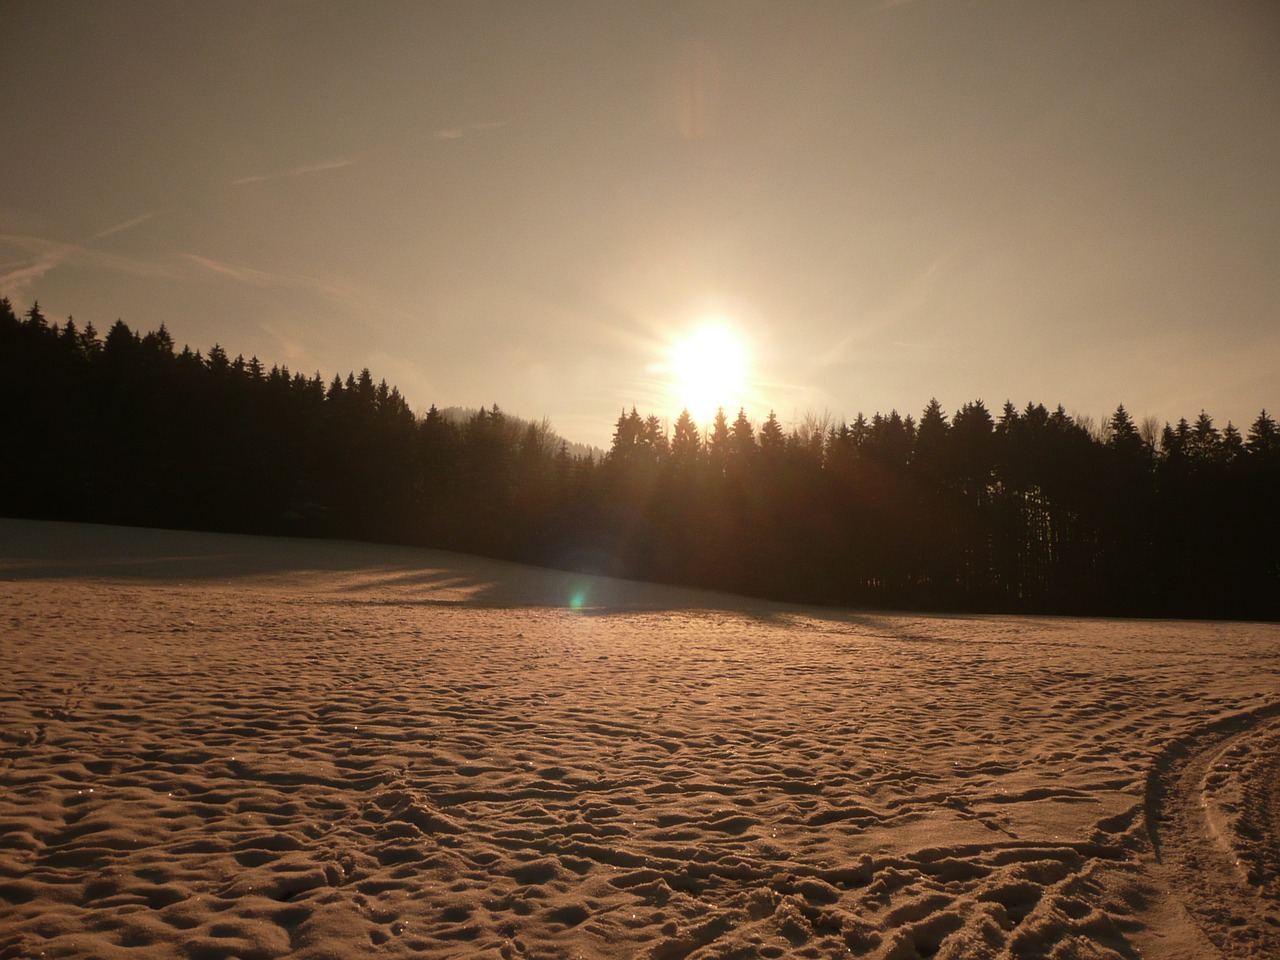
[[372, 573]]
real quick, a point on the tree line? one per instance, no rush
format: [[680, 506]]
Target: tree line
[[1028, 510]]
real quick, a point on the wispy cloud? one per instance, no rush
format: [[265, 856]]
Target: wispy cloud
[[15, 282], [266, 279], [43, 254], [359, 302], [127, 225], [299, 171], [901, 304], [241, 274], [294, 349], [890, 4], [457, 133]]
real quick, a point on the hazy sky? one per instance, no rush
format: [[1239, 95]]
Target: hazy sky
[[527, 203]]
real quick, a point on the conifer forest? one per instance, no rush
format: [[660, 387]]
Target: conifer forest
[[1001, 509]]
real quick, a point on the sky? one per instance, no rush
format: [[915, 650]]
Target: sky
[[1069, 202]]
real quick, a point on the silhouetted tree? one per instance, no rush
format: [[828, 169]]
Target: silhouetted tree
[[1034, 510], [772, 439], [1264, 437], [685, 441]]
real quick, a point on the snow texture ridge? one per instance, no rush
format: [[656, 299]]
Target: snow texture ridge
[[216, 747]]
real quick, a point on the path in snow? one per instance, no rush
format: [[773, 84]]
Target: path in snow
[[1212, 815]]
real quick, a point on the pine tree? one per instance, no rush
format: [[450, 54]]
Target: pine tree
[[626, 437], [1123, 437], [1204, 439], [772, 439], [653, 439], [1232, 444], [1264, 437], [90, 345], [929, 455], [686, 444], [718, 451], [743, 442]]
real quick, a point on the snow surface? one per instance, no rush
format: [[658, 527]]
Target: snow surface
[[216, 746]]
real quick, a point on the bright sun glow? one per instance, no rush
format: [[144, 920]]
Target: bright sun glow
[[710, 371]]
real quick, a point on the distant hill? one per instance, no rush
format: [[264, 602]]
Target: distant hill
[[460, 415]]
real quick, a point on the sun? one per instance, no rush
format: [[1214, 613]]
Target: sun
[[709, 369]]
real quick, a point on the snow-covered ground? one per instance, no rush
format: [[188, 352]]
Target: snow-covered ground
[[216, 746]]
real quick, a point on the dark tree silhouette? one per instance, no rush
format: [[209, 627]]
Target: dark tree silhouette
[[1032, 510]]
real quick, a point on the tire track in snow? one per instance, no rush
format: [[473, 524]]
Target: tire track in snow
[[1211, 808]]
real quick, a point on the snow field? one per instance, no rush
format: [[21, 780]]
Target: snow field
[[216, 747]]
